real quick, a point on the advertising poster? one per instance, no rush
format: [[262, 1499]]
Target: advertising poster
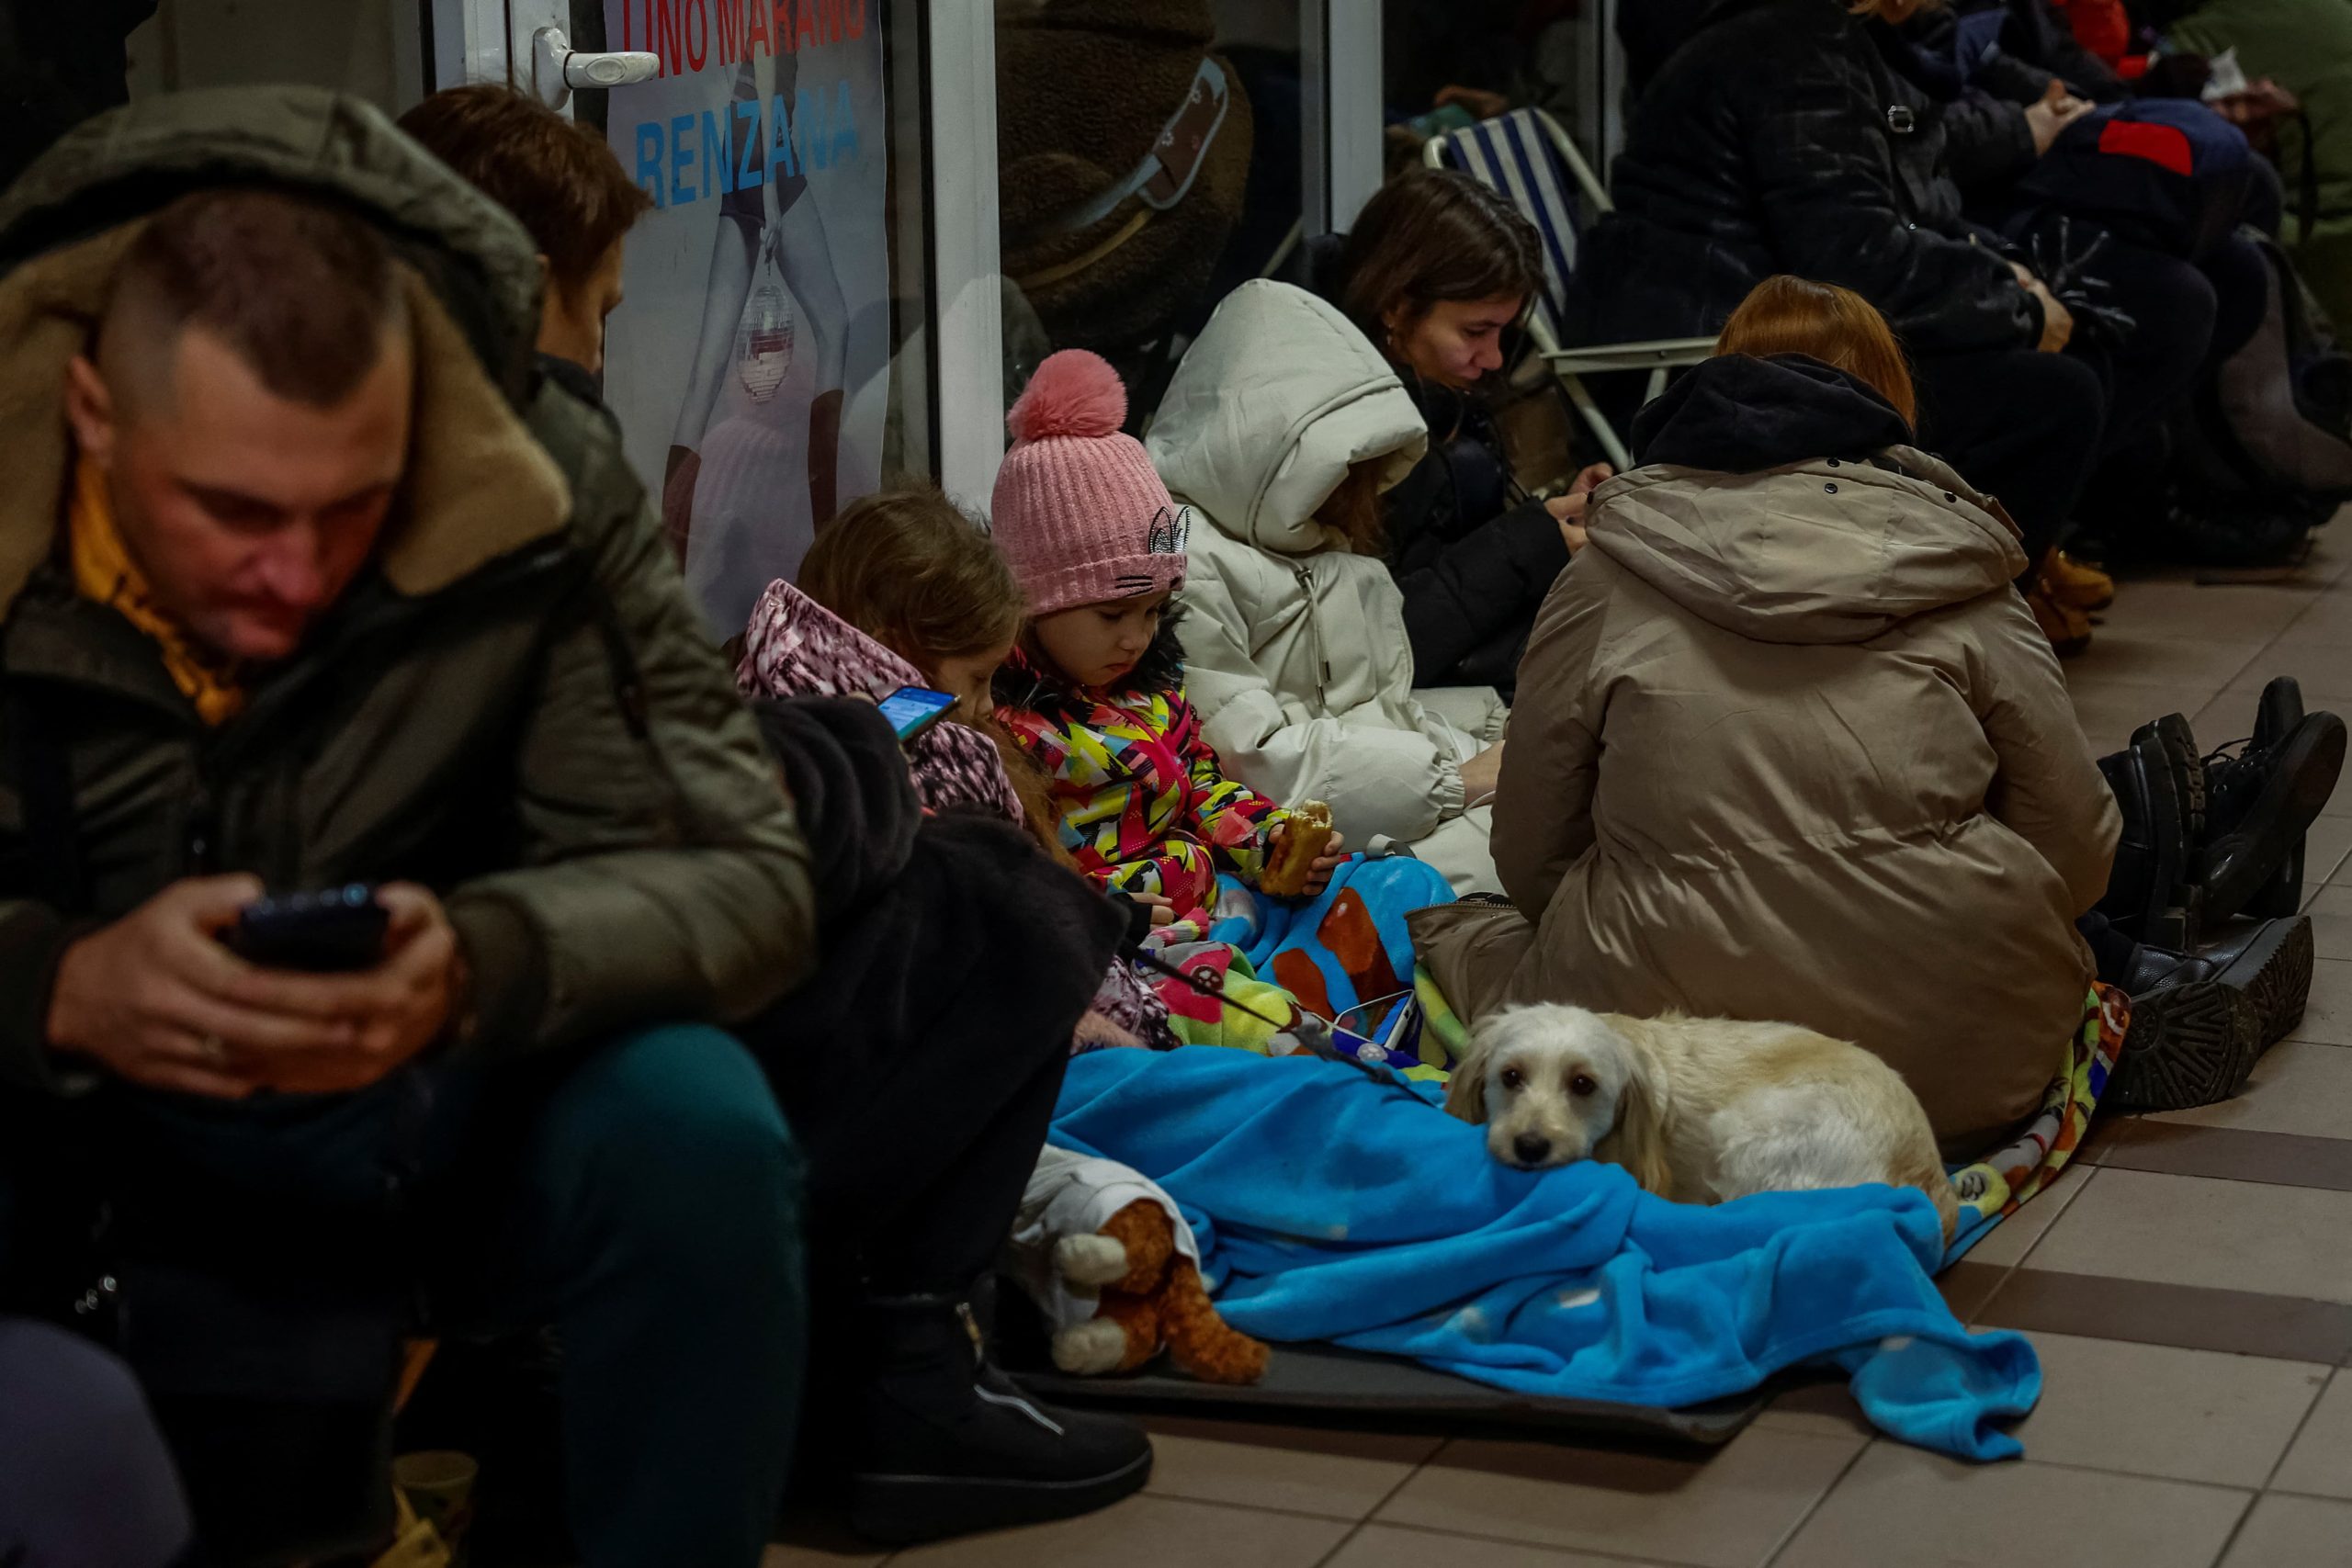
[[756, 291]]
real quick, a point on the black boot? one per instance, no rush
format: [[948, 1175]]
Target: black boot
[[2281, 711], [947, 1445], [2201, 1021], [2265, 802], [2159, 785]]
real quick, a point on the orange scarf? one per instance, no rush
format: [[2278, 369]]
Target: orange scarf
[[104, 570]]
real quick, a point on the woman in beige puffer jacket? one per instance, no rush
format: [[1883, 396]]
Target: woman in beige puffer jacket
[[1788, 746]]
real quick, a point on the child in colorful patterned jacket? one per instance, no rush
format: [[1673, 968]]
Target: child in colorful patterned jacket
[[1094, 691]]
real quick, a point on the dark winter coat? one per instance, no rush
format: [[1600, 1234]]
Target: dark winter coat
[[1984, 61], [1472, 555], [1778, 139]]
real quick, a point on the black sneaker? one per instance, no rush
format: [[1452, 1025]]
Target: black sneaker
[[2263, 804], [947, 1445], [2200, 1022]]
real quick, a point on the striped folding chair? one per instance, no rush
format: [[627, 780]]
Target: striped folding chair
[[1526, 156]]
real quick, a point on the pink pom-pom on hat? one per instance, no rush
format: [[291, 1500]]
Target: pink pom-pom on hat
[[1079, 513], [1072, 393]]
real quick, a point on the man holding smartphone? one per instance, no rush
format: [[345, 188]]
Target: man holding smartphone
[[306, 579]]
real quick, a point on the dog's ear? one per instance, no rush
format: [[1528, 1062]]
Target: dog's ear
[[1466, 1092], [1639, 1142]]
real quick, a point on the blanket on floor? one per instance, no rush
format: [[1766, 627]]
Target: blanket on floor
[[1336, 1203]]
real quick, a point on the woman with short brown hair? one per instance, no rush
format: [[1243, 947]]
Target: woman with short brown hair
[[1437, 273]]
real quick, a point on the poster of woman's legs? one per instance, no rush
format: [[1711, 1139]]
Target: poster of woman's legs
[[755, 293]]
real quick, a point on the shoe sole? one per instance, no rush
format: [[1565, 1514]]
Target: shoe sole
[[2196, 1044], [2281, 985], [2187, 761], [907, 1510]]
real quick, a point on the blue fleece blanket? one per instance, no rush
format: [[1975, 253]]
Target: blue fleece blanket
[[1334, 1204]]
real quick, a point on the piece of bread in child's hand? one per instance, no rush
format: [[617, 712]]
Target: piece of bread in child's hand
[[1300, 843]]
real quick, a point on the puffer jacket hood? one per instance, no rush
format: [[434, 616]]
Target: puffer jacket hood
[[1777, 520], [1273, 402], [478, 487], [1736, 414]]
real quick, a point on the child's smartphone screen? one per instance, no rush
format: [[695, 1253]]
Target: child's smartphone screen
[[914, 709]]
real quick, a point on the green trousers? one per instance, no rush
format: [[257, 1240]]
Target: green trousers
[[651, 1213]]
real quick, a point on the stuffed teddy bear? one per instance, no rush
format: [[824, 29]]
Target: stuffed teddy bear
[[1114, 1268], [1149, 1298]]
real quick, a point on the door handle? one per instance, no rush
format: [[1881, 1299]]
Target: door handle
[[557, 70]]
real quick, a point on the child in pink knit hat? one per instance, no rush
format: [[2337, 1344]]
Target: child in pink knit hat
[[1094, 691]]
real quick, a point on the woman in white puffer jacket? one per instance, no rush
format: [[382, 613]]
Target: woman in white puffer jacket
[[1280, 429]]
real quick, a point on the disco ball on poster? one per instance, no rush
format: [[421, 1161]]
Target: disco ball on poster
[[763, 341]]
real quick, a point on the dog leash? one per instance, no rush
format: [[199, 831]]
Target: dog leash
[[1317, 1035]]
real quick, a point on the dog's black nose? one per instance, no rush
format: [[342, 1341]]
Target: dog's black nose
[[1532, 1148]]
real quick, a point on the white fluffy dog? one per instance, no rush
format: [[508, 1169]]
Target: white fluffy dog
[[1699, 1110]]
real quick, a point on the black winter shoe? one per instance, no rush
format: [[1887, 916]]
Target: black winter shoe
[[2200, 1022], [2159, 785], [2281, 711], [948, 1446], [2281, 743], [2264, 804]]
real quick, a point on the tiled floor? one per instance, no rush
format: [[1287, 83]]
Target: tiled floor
[[2189, 1289]]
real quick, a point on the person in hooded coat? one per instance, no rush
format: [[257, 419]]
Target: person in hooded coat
[[1281, 428], [1790, 745]]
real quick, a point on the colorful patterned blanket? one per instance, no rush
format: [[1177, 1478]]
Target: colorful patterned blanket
[[1995, 1187]]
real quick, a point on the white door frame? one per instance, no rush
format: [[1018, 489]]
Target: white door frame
[[1600, 122], [1339, 49], [967, 256], [469, 41]]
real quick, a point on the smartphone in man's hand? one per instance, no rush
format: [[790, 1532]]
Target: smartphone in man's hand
[[333, 933]]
